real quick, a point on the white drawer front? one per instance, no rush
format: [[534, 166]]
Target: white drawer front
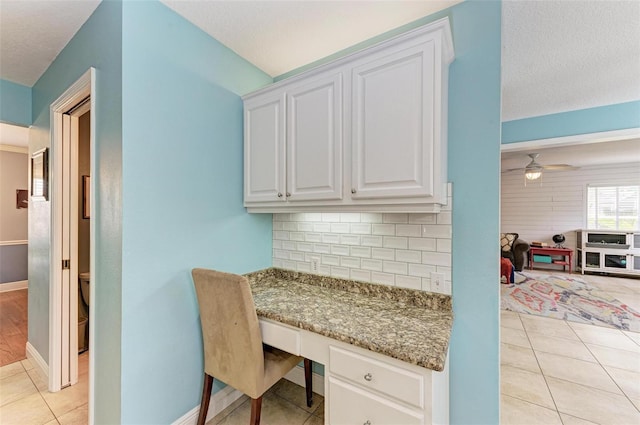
[[280, 337], [385, 378], [349, 405]]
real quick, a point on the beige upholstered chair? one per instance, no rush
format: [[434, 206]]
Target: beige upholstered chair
[[233, 348]]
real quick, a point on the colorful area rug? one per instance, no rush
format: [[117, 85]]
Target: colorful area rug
[[567, 298]]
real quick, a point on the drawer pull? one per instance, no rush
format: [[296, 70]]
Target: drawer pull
[[368, 377]]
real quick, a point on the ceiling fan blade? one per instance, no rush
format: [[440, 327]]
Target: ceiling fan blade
[[513, 169], [559, 167]]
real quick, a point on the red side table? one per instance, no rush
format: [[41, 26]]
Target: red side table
[[563, 252]]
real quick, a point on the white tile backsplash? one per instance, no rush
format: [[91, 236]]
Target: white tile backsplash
[[375, 265], [383, 229], [339, 227], [395, 242], [340, 250], [362, 275], [383, 253], [322, 227], [408, 230], [360, 251], [313, 237], [371, 218], [367, 240], [395, 218], [393, 249]]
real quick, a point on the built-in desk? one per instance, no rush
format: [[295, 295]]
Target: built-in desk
[[384, 349]]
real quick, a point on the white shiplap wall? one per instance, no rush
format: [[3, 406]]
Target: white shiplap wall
[[393, 249], [558, 205]]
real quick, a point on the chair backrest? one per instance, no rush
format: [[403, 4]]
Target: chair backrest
[[230, 331]]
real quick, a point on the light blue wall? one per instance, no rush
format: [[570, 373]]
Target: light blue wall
[[474, 168], [15, 103], [584, 121], [474, 165], [182, 201], [98, 43]]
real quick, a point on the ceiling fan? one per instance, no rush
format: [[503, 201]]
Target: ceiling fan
[[533, 170]]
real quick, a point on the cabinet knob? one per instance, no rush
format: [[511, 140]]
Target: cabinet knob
[[353, 191], [288, 194], [279, 195], [367, 423], [368, 377]]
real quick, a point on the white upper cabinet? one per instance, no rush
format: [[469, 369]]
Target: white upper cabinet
[[264, 150], [314, 139], [392, 128], [367, 132]]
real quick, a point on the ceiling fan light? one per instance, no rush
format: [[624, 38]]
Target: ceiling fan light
[[533, 174]]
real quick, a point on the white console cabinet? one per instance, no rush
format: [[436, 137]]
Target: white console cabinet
[[365, 132], [608, 251]]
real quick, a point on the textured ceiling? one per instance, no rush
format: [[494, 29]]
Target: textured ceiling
[[279, 36], [565, 55], [34, 32]]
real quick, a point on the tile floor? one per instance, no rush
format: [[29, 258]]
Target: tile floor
[[284, 403], [559, 372], [24, 399]]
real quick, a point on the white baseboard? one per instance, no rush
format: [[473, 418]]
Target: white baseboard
[[218, 402], [296, 375], [37, 361], [14, 286]]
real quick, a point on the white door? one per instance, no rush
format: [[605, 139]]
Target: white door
[[264, 148], [314, 139], [393, 128], [69, 240]]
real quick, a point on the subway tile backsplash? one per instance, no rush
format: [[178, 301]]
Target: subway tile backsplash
[[394, 249]]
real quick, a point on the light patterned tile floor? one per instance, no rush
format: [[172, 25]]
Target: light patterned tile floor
[[284, 403], [24, 399], [559, 372]]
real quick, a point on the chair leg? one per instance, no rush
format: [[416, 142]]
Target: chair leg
[[206, 396], [256, 407], [308, 383]]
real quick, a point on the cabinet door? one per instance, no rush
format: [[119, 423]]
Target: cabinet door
[[393, 101], [314, 139], [264, 148]]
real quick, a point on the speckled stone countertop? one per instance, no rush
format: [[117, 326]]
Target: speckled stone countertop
[[409, 325]]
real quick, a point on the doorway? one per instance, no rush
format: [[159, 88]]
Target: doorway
[[73, 230]]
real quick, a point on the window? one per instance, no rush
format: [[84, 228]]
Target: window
[[613, 207]]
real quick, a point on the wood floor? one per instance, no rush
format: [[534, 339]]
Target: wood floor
[[13, 326]]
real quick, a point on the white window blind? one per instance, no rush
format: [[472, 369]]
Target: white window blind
[[613, 207]]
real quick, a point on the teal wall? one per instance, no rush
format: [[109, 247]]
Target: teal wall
[[15, 103], [182, 201], [474, 166], [584, 121], [99, 44], [474, 169]]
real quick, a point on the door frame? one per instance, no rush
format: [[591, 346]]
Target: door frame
[[84, 87]]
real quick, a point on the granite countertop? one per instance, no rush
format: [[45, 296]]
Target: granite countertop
[[409, 325]]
